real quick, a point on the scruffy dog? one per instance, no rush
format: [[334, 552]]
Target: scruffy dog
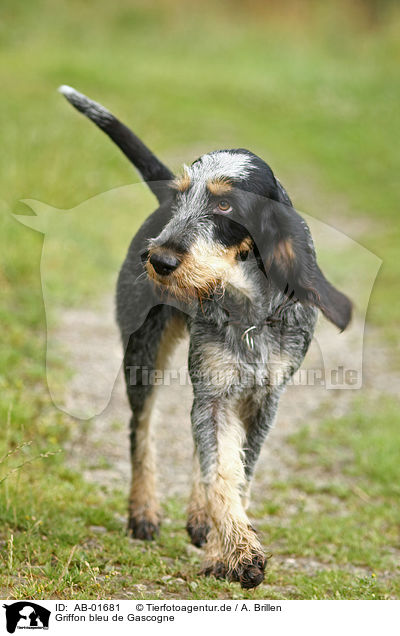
[[227, 258]]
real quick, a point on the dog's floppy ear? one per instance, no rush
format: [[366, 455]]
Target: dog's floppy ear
[[289, 258]]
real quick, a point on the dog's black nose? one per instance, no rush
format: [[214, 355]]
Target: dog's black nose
[[164, 264]]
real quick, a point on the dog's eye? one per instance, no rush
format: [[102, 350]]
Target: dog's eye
[[224, 206]]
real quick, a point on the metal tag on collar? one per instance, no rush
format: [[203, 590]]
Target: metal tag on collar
[[248, 337]]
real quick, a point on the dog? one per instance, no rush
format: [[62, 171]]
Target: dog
[[226, 258]]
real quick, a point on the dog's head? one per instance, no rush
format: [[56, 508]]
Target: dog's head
[[226, 205]]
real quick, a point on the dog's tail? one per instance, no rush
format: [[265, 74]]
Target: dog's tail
[[151, 169]]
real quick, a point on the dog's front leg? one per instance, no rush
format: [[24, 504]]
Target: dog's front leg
[[232, 550]]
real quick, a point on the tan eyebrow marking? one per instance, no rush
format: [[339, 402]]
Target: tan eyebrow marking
[[219, 186], [182, 182]]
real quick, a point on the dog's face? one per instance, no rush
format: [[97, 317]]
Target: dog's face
[[226, 205], [200, 249]]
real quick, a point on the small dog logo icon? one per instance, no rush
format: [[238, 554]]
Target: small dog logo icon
[[26, 615]]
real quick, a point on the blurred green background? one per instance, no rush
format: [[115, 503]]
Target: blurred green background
[[311, 87]]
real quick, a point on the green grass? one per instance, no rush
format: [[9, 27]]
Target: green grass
[[69, 539], [318, 100]]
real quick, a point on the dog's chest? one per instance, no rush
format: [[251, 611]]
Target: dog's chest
[[235, 364]]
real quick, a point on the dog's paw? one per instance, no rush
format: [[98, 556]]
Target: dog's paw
[[218, 570], [251, 574], [248, 574], [143, 529], [198, 532]]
